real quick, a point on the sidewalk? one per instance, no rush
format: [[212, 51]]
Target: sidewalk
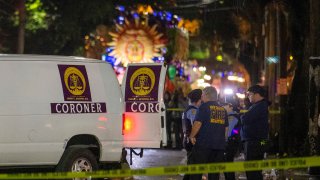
[[275, 174]]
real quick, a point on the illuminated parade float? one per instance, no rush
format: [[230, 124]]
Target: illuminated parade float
[[136, 43], [146, 34]]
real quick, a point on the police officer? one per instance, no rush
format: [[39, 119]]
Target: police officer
[[255, 128], [188, 116], [209, 132], [233, 140]]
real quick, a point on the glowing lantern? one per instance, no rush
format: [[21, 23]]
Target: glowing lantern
[[172, 72]]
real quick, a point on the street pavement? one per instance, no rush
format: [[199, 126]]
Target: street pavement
[[162, 157], [171, 157], [156, 158]]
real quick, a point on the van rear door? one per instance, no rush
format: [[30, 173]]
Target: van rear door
[[144, 117]]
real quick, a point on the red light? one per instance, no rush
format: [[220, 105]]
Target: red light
[[102, 118], [127, 124]]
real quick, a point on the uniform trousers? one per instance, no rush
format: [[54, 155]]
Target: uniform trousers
[[253, 150], [231, 150], [201, 155], [189, 159]]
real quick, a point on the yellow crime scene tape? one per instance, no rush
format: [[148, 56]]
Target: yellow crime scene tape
[[175, 109], [239, 166], [241, 111], [270, 111]]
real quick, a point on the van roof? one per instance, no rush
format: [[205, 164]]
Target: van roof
[[33, 57]]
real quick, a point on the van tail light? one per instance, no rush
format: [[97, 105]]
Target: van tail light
[[123, 121], [127, 124]]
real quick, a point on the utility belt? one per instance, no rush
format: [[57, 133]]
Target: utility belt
[[186, 134], [186, 142], [234, 138]]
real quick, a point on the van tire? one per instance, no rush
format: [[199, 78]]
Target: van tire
[[77, 155]]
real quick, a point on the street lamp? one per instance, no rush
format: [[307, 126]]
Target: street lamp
[[227, 92]]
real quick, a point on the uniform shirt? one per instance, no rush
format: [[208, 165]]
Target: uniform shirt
[[233, 121], [188, 119], [255, 122], [214, 120]]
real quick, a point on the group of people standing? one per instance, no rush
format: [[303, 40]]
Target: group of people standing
[[176, 101], [208, 129]]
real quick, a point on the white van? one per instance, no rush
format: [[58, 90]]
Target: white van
[[65, 112], [144, 120]]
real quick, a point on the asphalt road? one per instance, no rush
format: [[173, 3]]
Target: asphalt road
[[163, 157], [170, 157], [156, 158]]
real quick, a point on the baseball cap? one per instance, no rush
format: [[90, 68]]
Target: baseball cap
[[195, 95], [257, 89]]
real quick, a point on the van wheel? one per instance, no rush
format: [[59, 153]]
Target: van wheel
[[77, 160]]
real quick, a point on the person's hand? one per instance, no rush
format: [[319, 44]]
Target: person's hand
[[193, 140], [228, 108]]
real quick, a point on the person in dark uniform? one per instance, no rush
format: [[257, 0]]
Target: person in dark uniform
[[167, 99], [255, 128], [209, 132], [177, 101], [233, 139], [187, 121]]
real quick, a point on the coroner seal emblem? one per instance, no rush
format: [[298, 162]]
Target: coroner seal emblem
[[74, 81], [142, 81]]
